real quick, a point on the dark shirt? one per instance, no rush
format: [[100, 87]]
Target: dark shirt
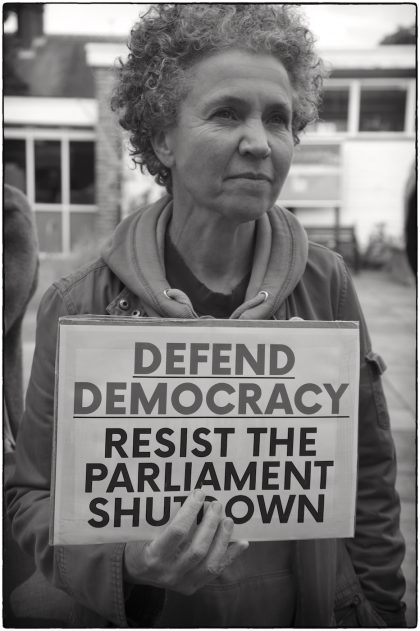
[[204, 300]]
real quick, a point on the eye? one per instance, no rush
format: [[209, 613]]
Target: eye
[[278, 119], [225, 113]]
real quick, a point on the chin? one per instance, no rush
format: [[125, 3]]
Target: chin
[[248, 210]]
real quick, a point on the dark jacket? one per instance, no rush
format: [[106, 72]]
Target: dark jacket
[[358, 579], [20, 258]]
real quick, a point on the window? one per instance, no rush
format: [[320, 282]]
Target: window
[[322, 154], [359, 105], [48, 171], [82, 227], [14, 159], [302, 187], [334, 110], [56, 170], [315, 176], [49, 227], [82, 179], [382, 109]]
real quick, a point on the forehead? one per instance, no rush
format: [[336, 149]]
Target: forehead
[[239, 74]]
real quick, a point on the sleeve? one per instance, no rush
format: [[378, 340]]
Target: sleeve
[[377, 550], [92, 575], [20, 266], [20, 255]]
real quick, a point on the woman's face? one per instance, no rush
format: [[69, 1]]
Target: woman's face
[[231, 149]]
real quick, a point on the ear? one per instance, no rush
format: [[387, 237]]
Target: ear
[[161, 143]]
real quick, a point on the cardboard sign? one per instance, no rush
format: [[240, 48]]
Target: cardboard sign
[[261, 415]]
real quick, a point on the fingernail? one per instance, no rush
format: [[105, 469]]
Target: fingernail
[[228, 524], [199, 495], [216, 507]]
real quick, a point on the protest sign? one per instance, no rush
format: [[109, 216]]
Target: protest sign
[[261, 415]]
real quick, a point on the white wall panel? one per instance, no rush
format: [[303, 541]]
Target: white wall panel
[[375, 173]]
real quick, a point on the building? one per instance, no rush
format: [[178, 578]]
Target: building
[[64, 149], [353, 165]]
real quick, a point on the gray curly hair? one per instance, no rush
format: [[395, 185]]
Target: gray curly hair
[[170, 38]]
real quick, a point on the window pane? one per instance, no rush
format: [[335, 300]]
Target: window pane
[[319, 155], [317, 217], [82, 172], [48, 226], [334, 110], [382, 110], [311, 187], [48, 171], [14, 156], [82, 227]]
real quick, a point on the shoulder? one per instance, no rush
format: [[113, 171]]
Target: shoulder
[[87, 290], [16, 202], [325, 264], [19, 234], [326, 279]]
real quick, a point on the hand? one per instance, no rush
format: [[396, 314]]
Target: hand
[[186, 556]]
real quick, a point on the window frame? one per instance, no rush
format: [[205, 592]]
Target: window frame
[[355, 87], [65, 136]]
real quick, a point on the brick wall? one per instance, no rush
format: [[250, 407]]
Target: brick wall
[[108, 156]]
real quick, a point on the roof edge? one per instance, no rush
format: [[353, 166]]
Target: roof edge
[[50, 111]]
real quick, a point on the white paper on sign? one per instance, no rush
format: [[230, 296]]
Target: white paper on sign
[[261, 415]]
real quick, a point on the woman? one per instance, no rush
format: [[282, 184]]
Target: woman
[[214, 97]]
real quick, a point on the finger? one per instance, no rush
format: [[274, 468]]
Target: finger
[[203, 509], [224, 551], [167, 543], [202, 539]]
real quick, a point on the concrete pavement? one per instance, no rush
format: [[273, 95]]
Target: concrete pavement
[[390, 311]]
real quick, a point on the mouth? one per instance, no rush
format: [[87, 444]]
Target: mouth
[[250, 176]]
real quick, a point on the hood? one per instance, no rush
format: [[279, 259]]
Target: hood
[[135, 253]]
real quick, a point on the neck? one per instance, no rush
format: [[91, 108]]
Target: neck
[[217, 252]]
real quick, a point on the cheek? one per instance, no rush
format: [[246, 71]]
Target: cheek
[[197, 154], [283, 158], [208, 161]]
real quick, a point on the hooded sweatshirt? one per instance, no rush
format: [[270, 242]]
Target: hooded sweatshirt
[[135, 254]]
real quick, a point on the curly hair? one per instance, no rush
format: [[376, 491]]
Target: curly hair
[[170, 38]]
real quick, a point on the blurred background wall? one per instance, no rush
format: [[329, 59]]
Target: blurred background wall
[[63, 147]]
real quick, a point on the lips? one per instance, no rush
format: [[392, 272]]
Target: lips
[[250, 176]]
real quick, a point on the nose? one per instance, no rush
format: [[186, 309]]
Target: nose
[[254, 140]]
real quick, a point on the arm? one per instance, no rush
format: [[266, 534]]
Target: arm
[[377, 549], [20, 279]]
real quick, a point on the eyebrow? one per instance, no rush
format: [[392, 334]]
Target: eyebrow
[[229, 99]]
